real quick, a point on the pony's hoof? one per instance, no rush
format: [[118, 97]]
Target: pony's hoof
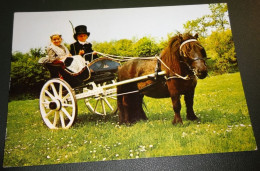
[[175, 122], [192, 118]]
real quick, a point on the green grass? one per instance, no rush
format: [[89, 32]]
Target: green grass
[[223, 126]]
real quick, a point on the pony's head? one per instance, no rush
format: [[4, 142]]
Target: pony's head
[[193, 54]]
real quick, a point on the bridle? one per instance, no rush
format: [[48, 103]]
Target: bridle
[[184, 55]]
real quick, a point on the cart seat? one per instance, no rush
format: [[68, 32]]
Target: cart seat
[[103, 69], [59, 70], [103, 64]]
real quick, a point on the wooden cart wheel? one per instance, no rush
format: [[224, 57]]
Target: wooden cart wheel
[[58, 105], [102, 104]]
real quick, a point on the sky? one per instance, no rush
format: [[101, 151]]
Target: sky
[[33, 29]]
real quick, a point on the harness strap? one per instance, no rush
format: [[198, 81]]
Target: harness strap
[[157, 69], [187, 41], [176, 75]]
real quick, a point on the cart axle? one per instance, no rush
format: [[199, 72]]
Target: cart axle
[[55, 105]]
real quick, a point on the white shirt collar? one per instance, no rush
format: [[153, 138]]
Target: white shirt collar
[[83, 42]]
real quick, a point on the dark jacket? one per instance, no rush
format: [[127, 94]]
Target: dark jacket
[[76, 47]]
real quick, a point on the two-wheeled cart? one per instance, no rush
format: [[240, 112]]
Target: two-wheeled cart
[[96, 84]]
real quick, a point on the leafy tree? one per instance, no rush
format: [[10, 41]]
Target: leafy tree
[[124, 47], [199, 25], [217, 20], [219, 16], [146, 47], [36, 52], [16, 56], [220, 48], [105, 47], [27, 76]]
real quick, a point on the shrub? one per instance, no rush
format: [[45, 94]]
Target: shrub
[[220, 48]]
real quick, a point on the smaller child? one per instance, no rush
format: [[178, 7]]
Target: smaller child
[[81, 46], [57, 51]]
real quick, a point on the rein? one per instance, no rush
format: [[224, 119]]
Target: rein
[[176, 75], [124, 59]]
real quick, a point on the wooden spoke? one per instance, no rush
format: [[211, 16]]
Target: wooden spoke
[[66, 113], [54, 90], [56, 117], [49, 113], [62, 119]]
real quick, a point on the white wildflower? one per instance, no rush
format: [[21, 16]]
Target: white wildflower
[[142, 148], [184, 134]]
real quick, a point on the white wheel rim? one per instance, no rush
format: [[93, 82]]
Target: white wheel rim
[[58, 107]]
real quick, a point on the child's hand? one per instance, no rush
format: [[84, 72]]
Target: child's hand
[[81, 52], [62, 58], [94, 52]]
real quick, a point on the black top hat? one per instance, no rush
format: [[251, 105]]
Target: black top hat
[[81, 29]]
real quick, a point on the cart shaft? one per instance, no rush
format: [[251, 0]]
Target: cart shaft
[[109, 89]]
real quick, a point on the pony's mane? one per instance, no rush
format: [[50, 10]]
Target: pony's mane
[[170, 55]]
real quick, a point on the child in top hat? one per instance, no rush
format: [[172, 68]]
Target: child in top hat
[[81, 46]]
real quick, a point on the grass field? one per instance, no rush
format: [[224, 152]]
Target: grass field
[[223, 126]]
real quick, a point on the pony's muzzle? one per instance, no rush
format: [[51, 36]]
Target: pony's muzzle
[[201, 73], [200, 68]]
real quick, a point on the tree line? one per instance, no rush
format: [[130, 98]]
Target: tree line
[[28, 77]]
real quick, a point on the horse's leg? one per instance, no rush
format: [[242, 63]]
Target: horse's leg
[[139, 107], [177, 108], [120, 107], [132, 108], [126, 104], [188, 97]]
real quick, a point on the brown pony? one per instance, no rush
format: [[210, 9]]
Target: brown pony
[[183, 60]]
